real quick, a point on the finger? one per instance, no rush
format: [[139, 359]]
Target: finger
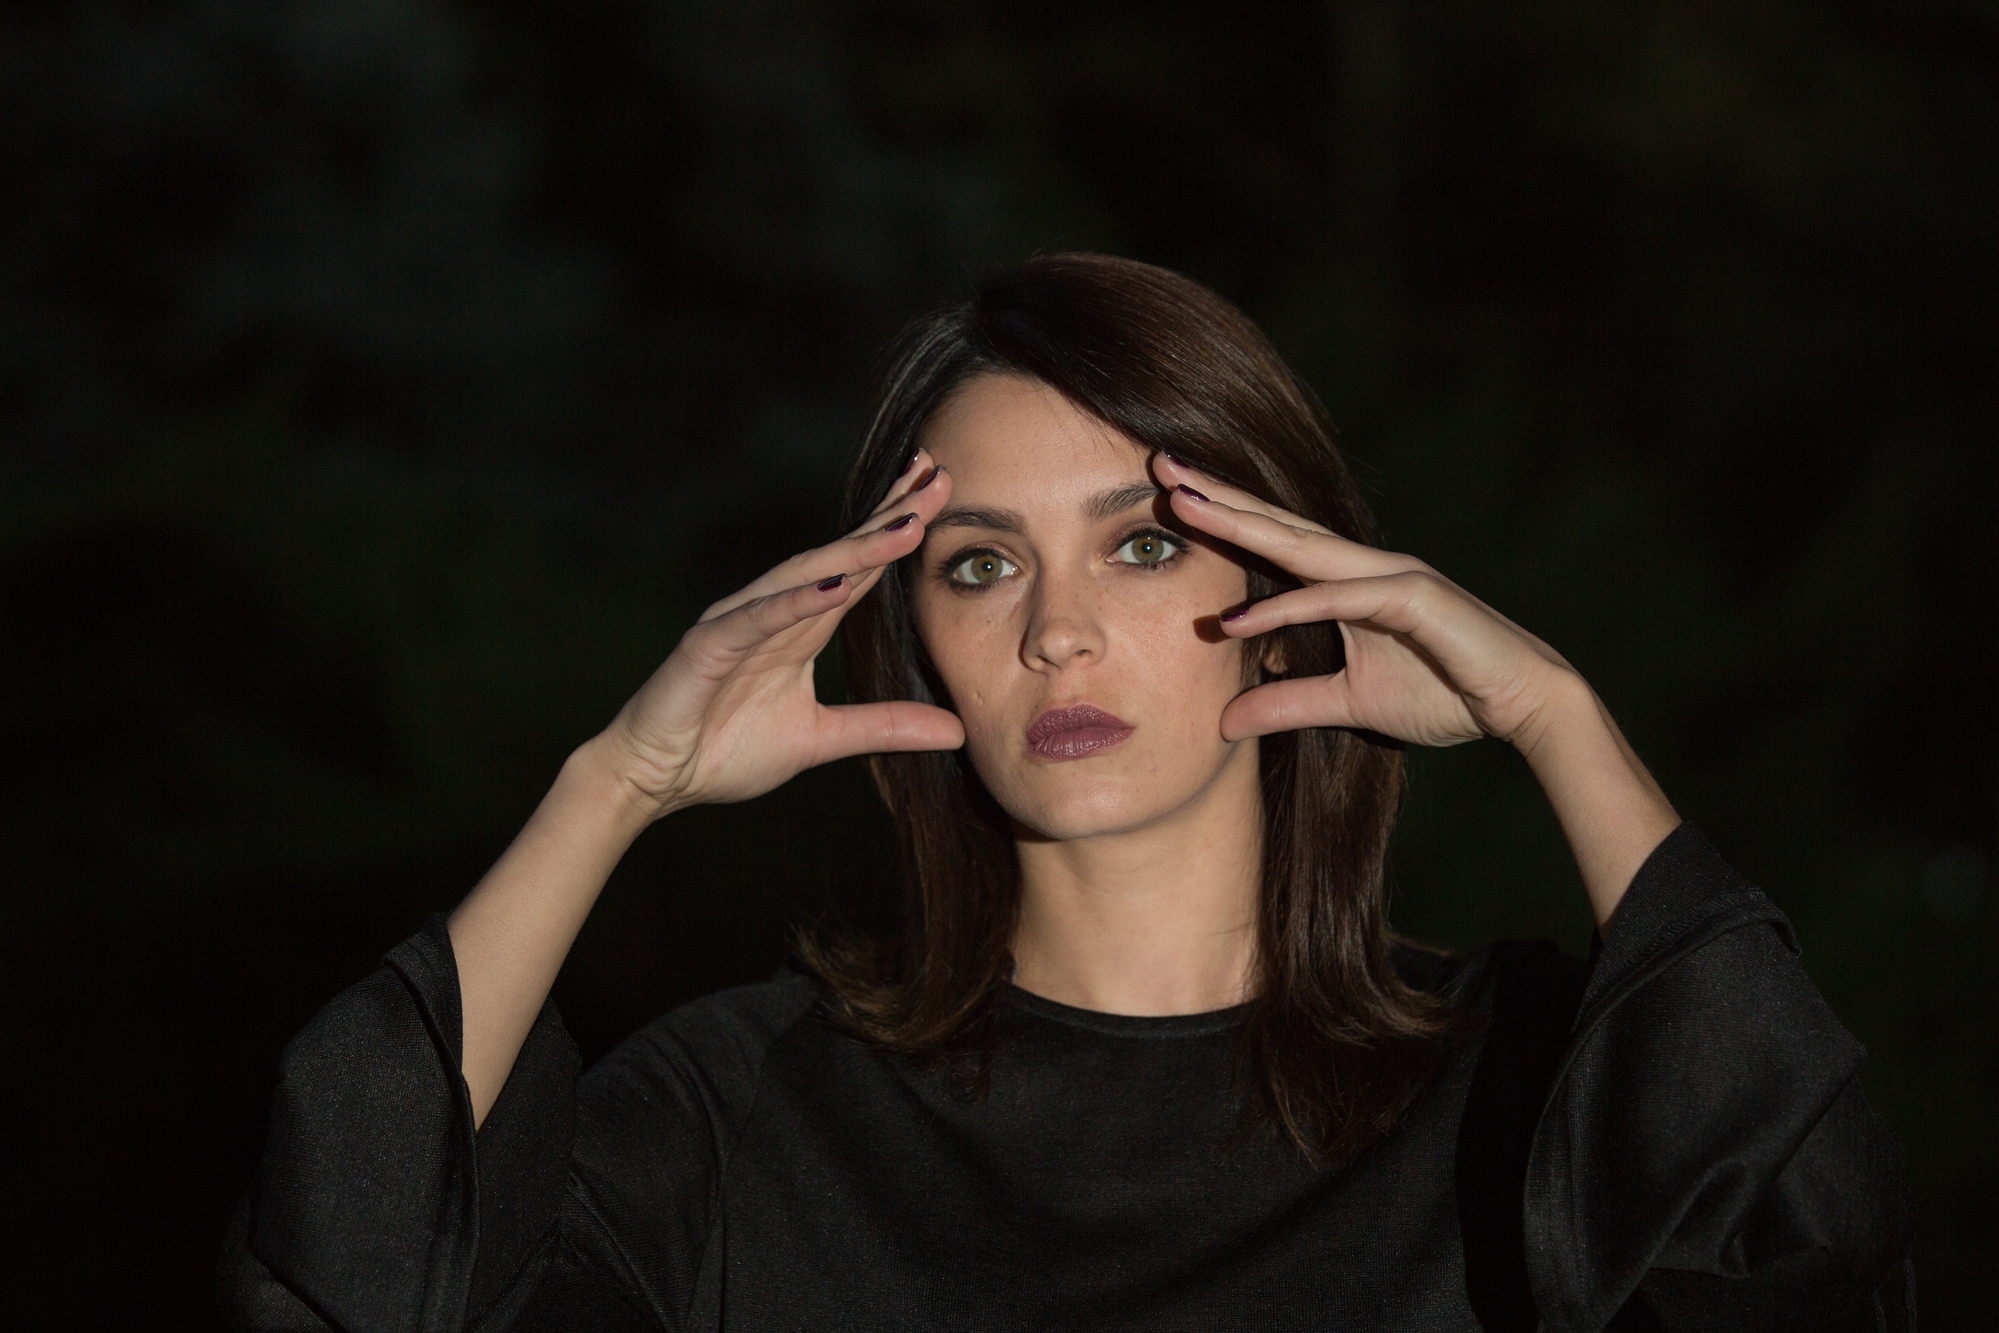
[[874, 552], [852, 729], [866, 549], [820, 631], [1420, 603], [916, 475], [762, 619], [1310, 553], [1172, 473], [1404, 602], [1287, 705], [864, 583], [849, 555]]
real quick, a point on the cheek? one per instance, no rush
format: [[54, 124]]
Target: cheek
[[1177, 638], [1195, 676], [1156, 650], [968, 646]]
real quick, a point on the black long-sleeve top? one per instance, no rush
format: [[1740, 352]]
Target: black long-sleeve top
[[1672, 1137]]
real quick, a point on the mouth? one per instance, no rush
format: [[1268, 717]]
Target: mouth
[[1075, 733]]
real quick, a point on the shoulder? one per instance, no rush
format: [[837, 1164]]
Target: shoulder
[[1500, 979], [658, 1121], [709, 1052]]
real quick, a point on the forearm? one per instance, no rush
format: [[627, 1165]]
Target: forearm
[[1610, 808], [514, 929]]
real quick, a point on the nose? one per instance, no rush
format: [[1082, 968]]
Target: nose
[[1062, 628]]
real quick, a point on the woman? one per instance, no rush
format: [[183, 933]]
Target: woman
[[1146, 1056]]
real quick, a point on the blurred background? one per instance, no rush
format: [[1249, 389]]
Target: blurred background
[[384, 387]]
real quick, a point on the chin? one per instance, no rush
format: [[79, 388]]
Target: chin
[[1065, 802], [1066, 820]]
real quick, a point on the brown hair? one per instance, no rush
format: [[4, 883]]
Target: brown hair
[[1338, 1045]]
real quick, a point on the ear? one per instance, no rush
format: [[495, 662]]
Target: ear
[[1273, 660]]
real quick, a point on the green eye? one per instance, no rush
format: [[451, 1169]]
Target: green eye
[[982, 567], [1148, 548]]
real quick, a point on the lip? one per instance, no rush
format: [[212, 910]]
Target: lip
[[1075, 732]]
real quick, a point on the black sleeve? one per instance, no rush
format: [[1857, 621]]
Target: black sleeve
[[375, 1205], [1705, 1158], [581, 1204]]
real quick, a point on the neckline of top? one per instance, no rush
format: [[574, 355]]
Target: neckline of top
[[1127, 1025]]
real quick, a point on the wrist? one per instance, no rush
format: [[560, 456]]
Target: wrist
[[1568, 710], [602, 772], [1610, 808]]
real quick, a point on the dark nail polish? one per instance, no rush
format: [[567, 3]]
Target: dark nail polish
[[914, 454], [1173, 458], [1236, 614], [900, 523], [1191, 491], [828, 585], [928, 477]]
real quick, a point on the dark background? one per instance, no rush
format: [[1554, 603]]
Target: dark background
[[384, 386]]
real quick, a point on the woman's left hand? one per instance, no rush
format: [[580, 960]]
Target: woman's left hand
[[1430, 664], [1427, 662]]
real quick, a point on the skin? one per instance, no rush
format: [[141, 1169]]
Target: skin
[[1139, 862]]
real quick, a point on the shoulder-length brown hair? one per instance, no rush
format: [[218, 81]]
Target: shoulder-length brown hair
[[1338, 1045]]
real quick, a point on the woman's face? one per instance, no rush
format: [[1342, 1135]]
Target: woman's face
[[1074, 630]]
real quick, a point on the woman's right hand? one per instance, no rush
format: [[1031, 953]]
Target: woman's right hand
[[732, 714]]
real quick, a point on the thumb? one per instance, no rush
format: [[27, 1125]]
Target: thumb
[[852, 729], [1287, 705]]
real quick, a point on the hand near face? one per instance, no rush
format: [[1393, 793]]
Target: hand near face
[[1426, 662], [732, 713]]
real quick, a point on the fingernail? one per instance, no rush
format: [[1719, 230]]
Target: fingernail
[[829, 584], [914, 454], [1191, 491], [928, 477], [900, 523], [1173, 458], [1236, 614]]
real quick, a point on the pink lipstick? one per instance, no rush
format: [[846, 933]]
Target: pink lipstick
[[1075, 733]]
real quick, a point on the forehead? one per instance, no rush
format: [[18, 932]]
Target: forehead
[[1012, 441]]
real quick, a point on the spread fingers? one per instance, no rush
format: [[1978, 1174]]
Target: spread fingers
[[882, 541]]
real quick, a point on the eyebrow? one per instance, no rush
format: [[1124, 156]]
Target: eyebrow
[[1104, 504], [1097, 508]]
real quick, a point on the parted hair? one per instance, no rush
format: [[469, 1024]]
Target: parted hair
[[1334, 1045]]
